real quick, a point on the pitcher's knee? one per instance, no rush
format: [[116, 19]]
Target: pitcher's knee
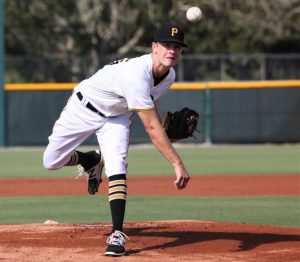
[[50, 162], [49, 165]]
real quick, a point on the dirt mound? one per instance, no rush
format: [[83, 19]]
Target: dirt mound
[[151, 241]]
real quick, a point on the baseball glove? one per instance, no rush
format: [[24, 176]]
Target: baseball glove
[[180, 124]]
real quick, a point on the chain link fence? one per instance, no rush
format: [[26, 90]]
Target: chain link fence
[[193, 67]]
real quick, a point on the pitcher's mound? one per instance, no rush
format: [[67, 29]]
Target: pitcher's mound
[[166, 241]]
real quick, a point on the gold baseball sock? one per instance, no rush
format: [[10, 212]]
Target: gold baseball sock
[[117, 199]]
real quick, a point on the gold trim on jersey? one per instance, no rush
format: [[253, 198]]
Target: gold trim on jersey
[[141, 109]]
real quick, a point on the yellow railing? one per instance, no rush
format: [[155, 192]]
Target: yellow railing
[[175, 86]]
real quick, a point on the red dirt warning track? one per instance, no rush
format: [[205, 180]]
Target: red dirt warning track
[[264, 185], [166, 241]]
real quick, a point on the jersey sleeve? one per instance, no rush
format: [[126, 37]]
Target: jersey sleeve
[[138, 95]]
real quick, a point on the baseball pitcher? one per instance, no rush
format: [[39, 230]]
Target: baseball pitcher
[[104, 105]]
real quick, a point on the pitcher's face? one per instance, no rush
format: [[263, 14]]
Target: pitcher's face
[[168, 54]]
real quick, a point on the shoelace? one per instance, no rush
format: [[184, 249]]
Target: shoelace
[[117, 238], [81, 172]]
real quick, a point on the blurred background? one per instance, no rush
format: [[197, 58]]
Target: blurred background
[[54, 41]]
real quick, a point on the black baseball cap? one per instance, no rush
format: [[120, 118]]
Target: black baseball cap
[[170, 33]]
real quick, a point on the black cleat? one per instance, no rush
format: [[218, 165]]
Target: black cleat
[[116, 244], [93, 174]]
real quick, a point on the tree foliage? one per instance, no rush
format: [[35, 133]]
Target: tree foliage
[[123, 27]]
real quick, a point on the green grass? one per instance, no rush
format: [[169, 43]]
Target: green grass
[[281, 211], [215, 160], [221, 160], [280, 159]]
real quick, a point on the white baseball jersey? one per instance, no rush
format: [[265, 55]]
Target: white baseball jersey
[[114, 90], [127, 84]]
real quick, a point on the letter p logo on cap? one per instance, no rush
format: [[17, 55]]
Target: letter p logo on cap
[[174, 31], [170, 33]]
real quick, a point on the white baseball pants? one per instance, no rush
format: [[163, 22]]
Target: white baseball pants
[[75, 124]]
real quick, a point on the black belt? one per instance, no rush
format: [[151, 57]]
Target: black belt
[[89, 105]]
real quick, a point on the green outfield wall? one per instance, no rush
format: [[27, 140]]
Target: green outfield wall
[[230, 112]]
